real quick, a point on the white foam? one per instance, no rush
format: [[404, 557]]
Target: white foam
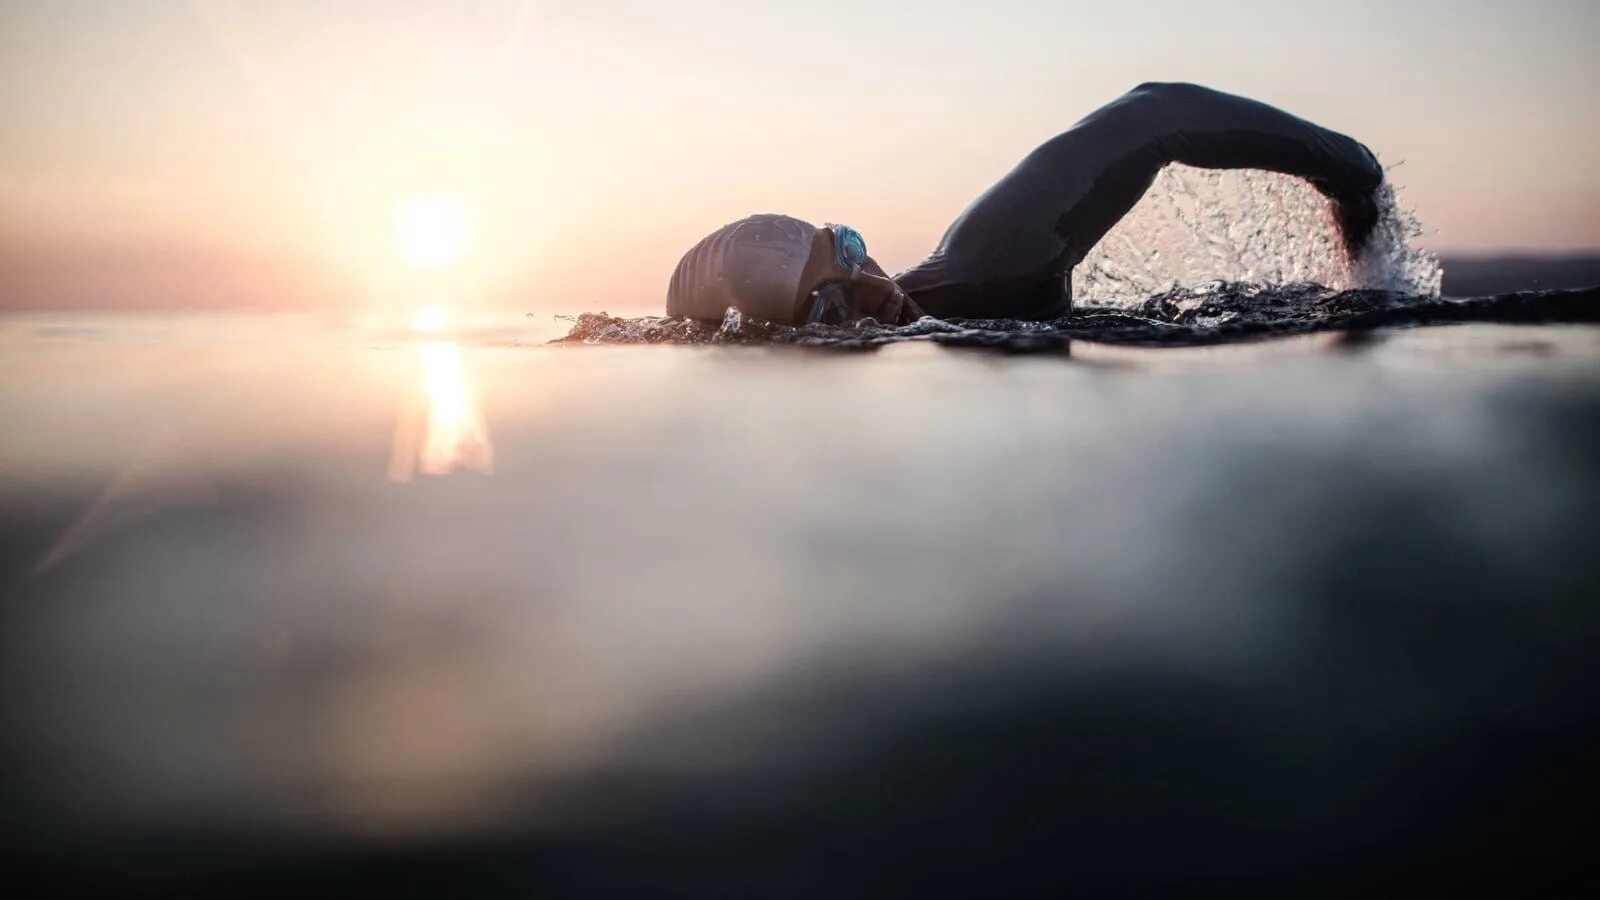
[[1199, 225]]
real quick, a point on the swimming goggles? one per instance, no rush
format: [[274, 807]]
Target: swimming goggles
[[849, 247], [830, 304]]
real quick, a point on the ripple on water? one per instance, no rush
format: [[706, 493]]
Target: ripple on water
[[1211, 314]]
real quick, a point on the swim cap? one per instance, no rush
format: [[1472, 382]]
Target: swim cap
[[754, 264]]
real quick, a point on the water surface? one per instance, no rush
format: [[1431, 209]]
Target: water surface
[[290, 606]]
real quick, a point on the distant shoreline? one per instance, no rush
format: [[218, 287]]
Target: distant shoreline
[[1483, 276]]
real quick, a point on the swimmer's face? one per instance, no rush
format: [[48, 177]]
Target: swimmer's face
[[870, 292]]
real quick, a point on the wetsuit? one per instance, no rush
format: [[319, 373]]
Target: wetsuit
[[1010, 254]]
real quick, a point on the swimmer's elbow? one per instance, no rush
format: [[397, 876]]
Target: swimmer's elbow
[[1163, 91], [1160, 107]]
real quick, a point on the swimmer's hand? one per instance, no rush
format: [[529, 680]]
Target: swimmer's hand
[[909, 310], [877, 295], [1357, 218]]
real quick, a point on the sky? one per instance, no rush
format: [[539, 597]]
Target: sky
[[564, 153]]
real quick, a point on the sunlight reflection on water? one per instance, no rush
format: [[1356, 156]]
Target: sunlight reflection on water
[[450, 432]]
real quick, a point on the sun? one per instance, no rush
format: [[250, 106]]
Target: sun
[[433, 230]]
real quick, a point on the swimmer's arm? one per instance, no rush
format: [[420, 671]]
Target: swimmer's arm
[[1125, 143], [1213, 130]]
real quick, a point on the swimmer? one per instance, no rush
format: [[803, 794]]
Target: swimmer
[[1011, 253]]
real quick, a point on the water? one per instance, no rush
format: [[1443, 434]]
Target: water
[[1196, 226], [1212, 314], [292, 607]]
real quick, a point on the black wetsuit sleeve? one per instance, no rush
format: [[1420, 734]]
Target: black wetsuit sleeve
[[1010, 252], [1127, 142]]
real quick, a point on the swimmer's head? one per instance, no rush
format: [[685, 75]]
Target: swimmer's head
[[754, 264], [786, 271]]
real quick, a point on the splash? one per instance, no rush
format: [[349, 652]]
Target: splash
[[1196, 226], [1206, 257], [1216, 313]]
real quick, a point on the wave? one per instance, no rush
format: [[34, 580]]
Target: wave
[[1211, 314]]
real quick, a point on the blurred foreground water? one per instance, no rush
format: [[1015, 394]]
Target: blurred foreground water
[[290, 609]]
